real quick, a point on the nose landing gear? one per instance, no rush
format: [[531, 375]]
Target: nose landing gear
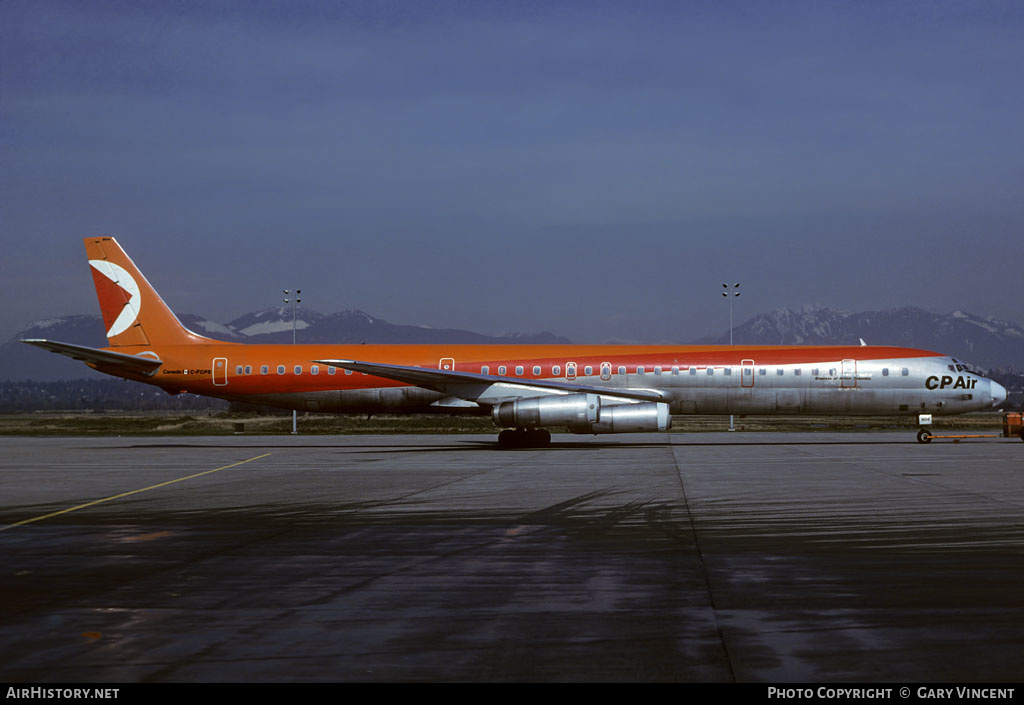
[[524, 438]]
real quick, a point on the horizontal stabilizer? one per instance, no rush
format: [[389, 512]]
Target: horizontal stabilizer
[[487, 389], [109, 361]]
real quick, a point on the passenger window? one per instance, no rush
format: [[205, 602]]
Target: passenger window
[[588, 370], [622, 370], [298, 369], [906, 371], [485, 370], [248, 369], [314, 370], [657, 370], [238, 369], [762, 371], [797, 372], [748, 372], [502, 370], [556, 370], [675, 371], [331, 370], [348, 372], [280, 369], [519, 370], [264, 369], [728, 371], [711, 371], [693, 370], [536, 370], [885, 371], [639, 370], [780, 372]]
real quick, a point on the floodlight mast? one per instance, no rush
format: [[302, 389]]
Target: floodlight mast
[[294, 301], [731, 294]]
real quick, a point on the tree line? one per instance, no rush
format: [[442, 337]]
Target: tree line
[[98, 395]]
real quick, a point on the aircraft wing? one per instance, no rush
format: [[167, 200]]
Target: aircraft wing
[[487, 389], [107, 361]]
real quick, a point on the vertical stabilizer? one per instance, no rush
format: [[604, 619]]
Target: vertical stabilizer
[[133, 313]]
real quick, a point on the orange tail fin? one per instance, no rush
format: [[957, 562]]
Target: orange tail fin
[[133, 313]]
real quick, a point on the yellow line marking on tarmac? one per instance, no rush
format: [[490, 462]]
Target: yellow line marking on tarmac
[[126, 494]]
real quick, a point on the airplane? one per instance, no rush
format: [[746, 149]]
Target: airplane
[[526, 389]]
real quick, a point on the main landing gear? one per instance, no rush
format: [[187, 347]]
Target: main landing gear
[[524, 438]]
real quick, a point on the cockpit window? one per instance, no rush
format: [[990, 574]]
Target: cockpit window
[[962, 366]]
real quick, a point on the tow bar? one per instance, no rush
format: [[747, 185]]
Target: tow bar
[[1013, 426]]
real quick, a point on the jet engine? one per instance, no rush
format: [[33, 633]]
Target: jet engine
[[548, 411], [582, 413], [628, 418]]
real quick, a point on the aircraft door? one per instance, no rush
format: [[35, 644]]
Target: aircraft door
[[606, 371], [446, 363], [220, 371], [747, 373], [570, 370], [848, 376]]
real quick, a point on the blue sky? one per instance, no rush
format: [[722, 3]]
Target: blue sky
[[596, 169]]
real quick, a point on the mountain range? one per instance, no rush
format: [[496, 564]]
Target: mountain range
[[273, 325], [987, 343], [983, 342]]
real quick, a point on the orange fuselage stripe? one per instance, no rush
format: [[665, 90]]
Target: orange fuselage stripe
[[189, 367]]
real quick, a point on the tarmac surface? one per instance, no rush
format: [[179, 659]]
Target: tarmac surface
[[765, 557]]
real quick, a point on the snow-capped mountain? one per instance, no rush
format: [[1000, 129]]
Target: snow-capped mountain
[[985, 342], [211, 329], [19, 361], [274, 325]]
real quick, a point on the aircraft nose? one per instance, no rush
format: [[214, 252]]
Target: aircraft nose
[[998, 393]]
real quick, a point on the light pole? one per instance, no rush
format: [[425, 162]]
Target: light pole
[[731, 294], [295, 300]]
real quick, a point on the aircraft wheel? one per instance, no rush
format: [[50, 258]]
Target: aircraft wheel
[[524, 438], [538, 437], [924, 436], [508, 439]]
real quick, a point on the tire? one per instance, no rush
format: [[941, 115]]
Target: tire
[[508, 439], [924, 436], [538, 437], [524, 438]]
